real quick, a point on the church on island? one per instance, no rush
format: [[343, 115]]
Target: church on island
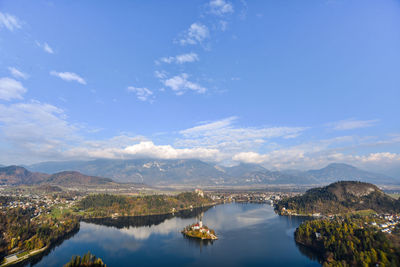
[[199, 231]]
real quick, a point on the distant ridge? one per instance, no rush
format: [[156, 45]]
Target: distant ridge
[[197, 172], [66, 178], [341, 171], [16, 175]]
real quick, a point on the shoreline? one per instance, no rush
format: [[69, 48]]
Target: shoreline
[[36, 253], [211, 238], [41, 251], [148, 214], [32, 253]]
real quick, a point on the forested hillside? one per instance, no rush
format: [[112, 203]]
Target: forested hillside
[[103, 205], [348, 242], [339, 197]]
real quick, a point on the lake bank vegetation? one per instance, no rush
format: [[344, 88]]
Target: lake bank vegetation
[[350, 241], [104, 205], [358, 224], [23, 235]]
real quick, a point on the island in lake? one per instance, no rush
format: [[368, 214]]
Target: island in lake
[[200, 231]]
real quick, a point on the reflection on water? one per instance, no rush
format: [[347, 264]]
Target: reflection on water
[[310, 253], [37, 258], [141, 227], [249, 234], [137, 221], [197, 243]]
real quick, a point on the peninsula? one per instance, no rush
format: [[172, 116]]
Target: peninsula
[[357, 225]]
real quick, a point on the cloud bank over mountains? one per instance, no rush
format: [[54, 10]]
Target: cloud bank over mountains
[[33, 131]]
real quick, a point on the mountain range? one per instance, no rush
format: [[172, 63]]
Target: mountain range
[[197, 172], [16, 175]]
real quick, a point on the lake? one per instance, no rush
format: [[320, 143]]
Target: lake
[[249, 235]]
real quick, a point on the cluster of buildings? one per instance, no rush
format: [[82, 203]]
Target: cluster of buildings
[[388, 222], [199, 227], [199, 192], [38, 204], [253, 197]]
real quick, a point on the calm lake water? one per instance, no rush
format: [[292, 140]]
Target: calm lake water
[[249, 235]]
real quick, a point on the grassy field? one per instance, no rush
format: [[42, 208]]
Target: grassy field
[[395, 196], [362, 212], [58, 211], [22, 254]]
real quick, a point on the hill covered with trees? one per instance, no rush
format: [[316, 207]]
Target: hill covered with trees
[[338, 198], [104, 205]]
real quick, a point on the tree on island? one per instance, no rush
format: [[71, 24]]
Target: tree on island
[[88, 260]]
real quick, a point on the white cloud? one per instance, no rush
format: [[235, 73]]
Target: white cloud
[[11, 89], [149, 149], [17, 73], [167, 60], [160, 74], [223, 25], [318, 154], [120, 149], [379, 157], [207, 127], [68, 76], [180, 84], [180, 59], [351, 124], [250, 157], [196, 33], [9, 21], [224, 135], [191, 57], [221, 7], [46, 47], [34, 130], [142, 94], [289, 158], [112, 148]]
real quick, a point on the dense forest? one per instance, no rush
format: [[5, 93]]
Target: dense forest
[[88, 260], [18, 232], [348, 242], [339, 197], [104, 205]]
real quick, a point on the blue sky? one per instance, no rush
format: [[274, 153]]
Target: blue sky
[[287, 84]]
